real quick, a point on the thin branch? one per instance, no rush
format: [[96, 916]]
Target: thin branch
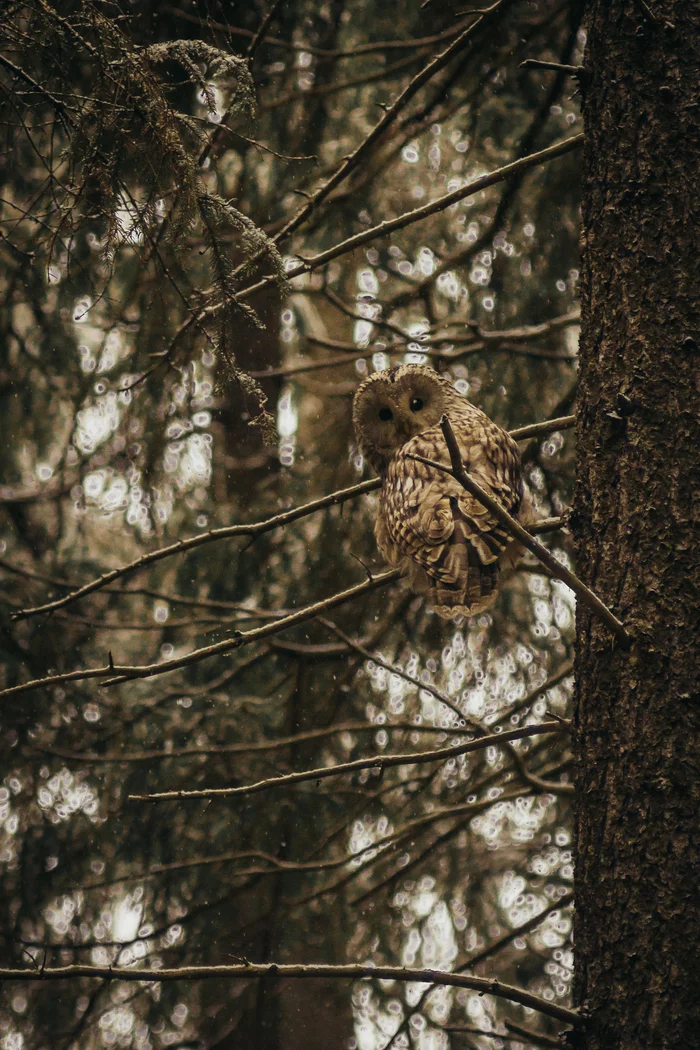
[[591, 600], [533, 1037], [353, 972], [227, 532], [544, 525], [127, 673], [33, 495], [268, 149], [504, 1037], [277, 864], [464, 813], [262, 30], [486, 953], [350, 352], [527, 331], [649, 14], [518, 931], [383, 229], [252, 747], [60, 107], [540, 429], [341, 85], [559, 67], [314, 366], [253, 529], [359, 648], [435, 346], [559, 788], [320, 52], [564, 672], [376, 762], [380, 847], [469, 1029], [426, 74]]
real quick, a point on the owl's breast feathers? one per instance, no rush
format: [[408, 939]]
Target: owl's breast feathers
[[440, 535]]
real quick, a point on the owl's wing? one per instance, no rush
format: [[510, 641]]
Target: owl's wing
[[439, 526]]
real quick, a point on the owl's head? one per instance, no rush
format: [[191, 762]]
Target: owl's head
[[393, 406]]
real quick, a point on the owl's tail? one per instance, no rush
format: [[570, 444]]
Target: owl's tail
[[468, 591], [465, 579]]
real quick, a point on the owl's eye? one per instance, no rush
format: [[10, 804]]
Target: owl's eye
[[415, 404], [386, 414]]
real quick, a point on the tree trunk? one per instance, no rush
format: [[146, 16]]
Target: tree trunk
[[636, 515]]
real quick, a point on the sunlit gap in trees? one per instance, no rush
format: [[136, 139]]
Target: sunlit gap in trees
[[99, 430]]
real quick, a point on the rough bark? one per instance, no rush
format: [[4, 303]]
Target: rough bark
[[637, 510]]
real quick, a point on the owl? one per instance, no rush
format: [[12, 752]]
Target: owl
[[446, 542]]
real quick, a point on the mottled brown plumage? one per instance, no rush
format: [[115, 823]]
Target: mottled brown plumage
[[448, 543]]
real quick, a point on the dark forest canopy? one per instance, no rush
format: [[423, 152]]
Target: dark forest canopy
[[215, 220]]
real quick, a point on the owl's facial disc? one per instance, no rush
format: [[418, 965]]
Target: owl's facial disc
[[394, 406], [407, 406]]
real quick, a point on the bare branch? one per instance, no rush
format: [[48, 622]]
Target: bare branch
[[376, 762], [547, 786], [540, 429], [422, 78], [227, 532], [539, 1038], [334, 87], [485, 953], [246, 971], [564, 671], [359, 648], [558, 67], [388, 226], [60, 107], [262, 30], [320, 52], [541, 553], [252, 530], [126, 673], [249, 747]]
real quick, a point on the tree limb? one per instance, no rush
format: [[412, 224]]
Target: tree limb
[[246, 971], [541, 553], [126, 673], [376, 762], [253, 529]]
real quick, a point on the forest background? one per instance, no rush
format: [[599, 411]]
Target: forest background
[[216, 220]]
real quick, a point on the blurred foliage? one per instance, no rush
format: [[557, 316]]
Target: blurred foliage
[[153, 158]]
